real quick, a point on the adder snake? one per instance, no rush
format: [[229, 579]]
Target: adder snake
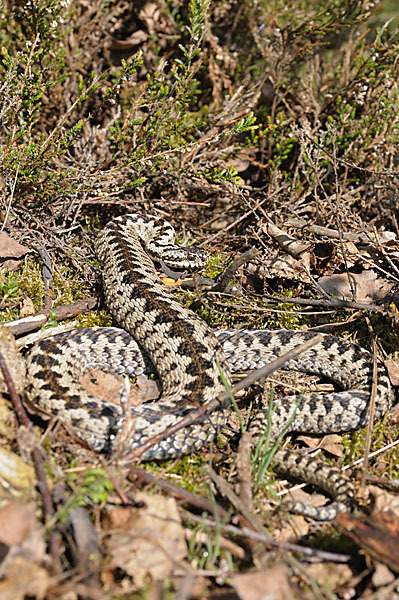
[[184, 350]]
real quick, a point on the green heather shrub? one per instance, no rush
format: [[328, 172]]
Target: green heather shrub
[[308, 89]]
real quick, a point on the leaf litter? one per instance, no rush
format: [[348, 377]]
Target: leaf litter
[[316, 194]]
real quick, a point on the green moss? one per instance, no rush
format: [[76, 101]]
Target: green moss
[[99, 318], [384, 464], [210, 316], [27, 281], [213, 266], [188, 472], [289, 317], [330, 539]]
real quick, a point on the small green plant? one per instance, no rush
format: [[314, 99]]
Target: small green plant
[[8, 289], [162, 121], [52, 320], [93, 490], [231, 396], [204, 549], [263, 454]]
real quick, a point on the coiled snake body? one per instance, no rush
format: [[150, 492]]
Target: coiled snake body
[[184, 351]]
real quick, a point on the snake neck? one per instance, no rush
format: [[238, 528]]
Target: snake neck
[[182, 346]]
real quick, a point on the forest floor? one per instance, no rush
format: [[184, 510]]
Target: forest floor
[[266, 134]]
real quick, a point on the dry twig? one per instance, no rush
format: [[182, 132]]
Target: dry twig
[[44, 489], [201, 412]]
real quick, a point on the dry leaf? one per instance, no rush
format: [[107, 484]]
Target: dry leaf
[[378, 535], [18, 530], [15, 472], [27, 308], [387, 237], [272, 584], [242, 160], [332, 443], [21, 537], [382, 575], [392, 367], [10, 250], [347, 253], [150, 541], [382, 499], [6, 416], [284, 266], [331, 574], [149, 389], [358, 287], [14, 361], [290, 244], [16, 522], [24, 579], [107, 386], [150, 14]]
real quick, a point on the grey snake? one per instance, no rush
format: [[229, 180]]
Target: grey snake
[[158, 332]]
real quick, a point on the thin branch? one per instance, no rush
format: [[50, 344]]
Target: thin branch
[[224, 278], [226, 490], [362, 238], [11, 197], [186, 497], [200, 413], [332, 302], [36, 457], [266, 539], [68, 311]]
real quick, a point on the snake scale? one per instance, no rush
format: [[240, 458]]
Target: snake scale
[[158, 331]]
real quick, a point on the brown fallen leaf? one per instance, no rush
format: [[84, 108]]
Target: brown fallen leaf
[[107, 387], [148, 542], [378, 535], [284, 266], [14, 361], [16, 521], [347, 254], [23, 547], [242, 160], [272, 583], [10, 250], [7, 416], [392, 367], [359, 287], [382, 499], [151, 15], [382, 576], [24, 579], [14, 472], [138, 37], [332, 443], [331, 574], [27, 308]]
